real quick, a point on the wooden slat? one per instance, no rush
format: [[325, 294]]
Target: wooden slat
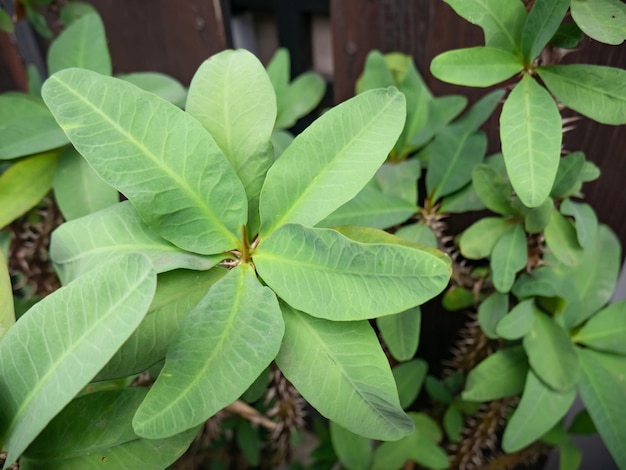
[[12, 68]]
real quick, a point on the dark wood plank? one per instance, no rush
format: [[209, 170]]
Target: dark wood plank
[[12, 69]]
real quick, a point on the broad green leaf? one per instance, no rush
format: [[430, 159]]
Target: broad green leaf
[[464, 200], [602, 388], [567, 36], [302, 96], [476, 66], [401, 332], [400, 179], [376, 73], [409, 377], [354, 451], [327, 275], [419, 233], [457, 298], [541, 24], [235, 332], [518, 322], [509, 255], [82, 44], [83, 244], [95, 430], [53, 351], [568, 176], [595, 91], [530, 130], [538, 411], [479, 239], [493, 189], [502, 21], [551, 353], [365, 399], [586, 220], [453, 423], [74, 10], [603, 20], [502, 374], [309, 181], [233, 98], [605, 330], [78, 190], [177, 294], [25, 184], [491, 311], [562, 239], [160, 84], [27, 127], [158, 156], [7, 313]]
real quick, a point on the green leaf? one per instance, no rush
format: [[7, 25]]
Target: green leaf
[[479, 239], [586, 220], [309, 181], [544, 281], [530, 130], [409, 377], [457, 298], [602, 388], [249, 441], [419, 233], [510, 255], [51, 353], [7, 312], [78, 190], [238, 318], [493, 189], [491, 311], [83, 244], [35, 80], [501, 21], [551, 353], [401, 332], [475, 66], [567, 36], [590, 172], [354, 451], [280, 141], [177, 294], [72, 11], [453, 423], [25, 184], [562, 239], [518, 322], [327, 275], [536, 218], [538, 411], [365, 400], [582, 424], [502, 374], [6, 23], [160, 84], [27, 127], [568, 176], [400, 179], [438, 390], [464, 200], [376, 73], [603, 20], [82, 44], [439, 112], [302, 96], [541, 24], [605, 330], [136, 143], [595, 91], [96, 430], [278, 71]]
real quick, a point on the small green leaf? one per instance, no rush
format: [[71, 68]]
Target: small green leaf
[[491, 311], [401, 332], [551, 353], [510, 255], [302, 96], [280, 141], [605, 330], [409, 377], [541, 24], [82, 44], [365, 400], [464, 200], [518, 322], [74, 10], [327, 275], [590, 172], [376, 73], [537, 218], [438, 390], [582, 424], [453, 423], [562, 239], [457, 298], [568, 177], [354, 451], [530, 130], [53, 351], [278, 71], [586, 220], [438, 113], [400, 179], [6, 23], [475, 66], [603, 20], [7, 312], [479, 239], [595, 91], [502, 374], [568, 36], [538, 411], [237, 318], [25, 184], [419, 233], [249, 441], [160, 84], [493, 189]]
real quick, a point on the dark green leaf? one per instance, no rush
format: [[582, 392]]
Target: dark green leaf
[[568, 176], [73, 11], [354, 451], [510, 255], [478, 241], [585, 220], [453, 423], [249, 441], [537, 218], [7, 311], [568, 36], [562, 239], [401, 332], [541, 24], [409, 377], [438, 390], [518, 322], [605, 330], [457, 298], [464, 200], [582, 424], [6, 23], [493, 189], [491, 311]]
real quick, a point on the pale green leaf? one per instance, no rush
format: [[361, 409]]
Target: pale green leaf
[[605, 330], [27, 127], [83, 244], [538, 411], [502, 374], [82, 44], [354, 451], [160, 84], [302, 96], [493, 189], [596, 91], [51, 353], [401, 332], [551, 353], [602, 388], [376, 73], [25, 184], [476, 66], [409, 377], [78, 190], [585, 218], [235, 331], [439, 112], [491, 311], [569, 175], [7, 313], [479, 239], [518, 322], [418, 233], [562, 239], [530, 130], [541, 24], [400, 179], [158, 156], [365, 399], [603, 20], [278, 71], [95, 430], [327, 275], [332, 160], [509, 255], [280, 141]]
